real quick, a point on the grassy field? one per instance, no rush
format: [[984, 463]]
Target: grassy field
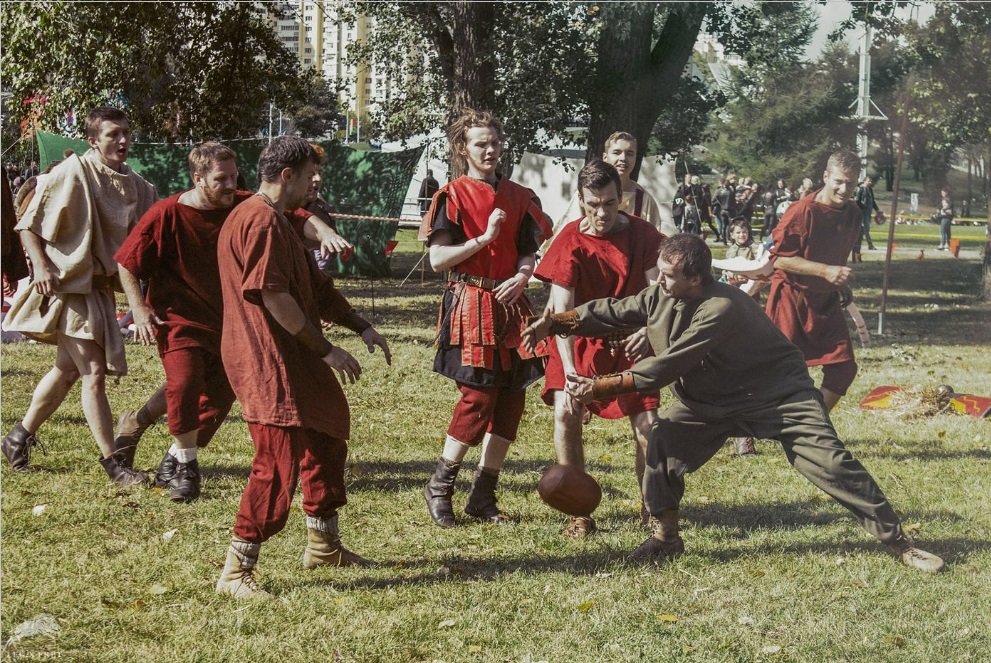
[[774, 571]]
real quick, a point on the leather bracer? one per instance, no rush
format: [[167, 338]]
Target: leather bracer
[[614, 384]]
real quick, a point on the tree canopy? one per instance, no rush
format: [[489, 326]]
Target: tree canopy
[[184, 70]]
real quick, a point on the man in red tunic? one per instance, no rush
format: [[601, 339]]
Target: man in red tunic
[[607, 253], [282, 369], [486, 230], [811, 245], [174, 248]]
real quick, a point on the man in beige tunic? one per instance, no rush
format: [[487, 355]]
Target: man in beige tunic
[[76, 222]]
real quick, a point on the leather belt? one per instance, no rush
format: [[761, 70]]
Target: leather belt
[[107, 282], [477, 281]]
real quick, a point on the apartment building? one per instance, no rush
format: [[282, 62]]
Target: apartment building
[[317, 33]]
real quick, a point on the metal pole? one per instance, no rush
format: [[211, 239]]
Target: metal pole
[[864, 93], [270, 105], [894, 208]]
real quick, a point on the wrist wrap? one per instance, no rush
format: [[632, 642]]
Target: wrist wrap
[[312, 339], [607, 386]]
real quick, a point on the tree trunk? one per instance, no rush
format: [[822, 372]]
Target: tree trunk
[[635, 74], [986, 290], [473, 63]]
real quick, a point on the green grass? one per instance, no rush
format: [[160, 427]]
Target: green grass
[[774, 570]]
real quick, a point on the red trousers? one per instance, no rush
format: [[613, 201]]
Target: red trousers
[[284, 456], [837, 378], [483, 410], [198, 395]]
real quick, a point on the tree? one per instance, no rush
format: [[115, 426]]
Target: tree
[[319, 114], [525, 62], [184, 70]]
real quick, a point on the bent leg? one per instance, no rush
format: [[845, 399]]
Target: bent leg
[[679, 443]]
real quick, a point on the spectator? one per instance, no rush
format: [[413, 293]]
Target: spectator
[[71, 231], [428, 188], [864, 197], [945, 216]]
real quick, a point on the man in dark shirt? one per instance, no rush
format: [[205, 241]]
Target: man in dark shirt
[[733, 373]]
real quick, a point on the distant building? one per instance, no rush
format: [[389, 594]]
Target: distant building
[[314, 32]]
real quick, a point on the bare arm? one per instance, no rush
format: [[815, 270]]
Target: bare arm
[[563, 299], [144, 318], [319, 234], [834, 274], [510, 290], [444, 255], [287, 313], [45, 279]]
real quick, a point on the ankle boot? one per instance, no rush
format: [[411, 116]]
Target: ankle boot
[[665, 542], [129, 433], [745, 447], [324, 547], [438, 492], [17, 448], [238, 579], [166, 472], [482, 500], [122, 476]]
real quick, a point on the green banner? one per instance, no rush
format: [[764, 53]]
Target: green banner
[[367, 183]]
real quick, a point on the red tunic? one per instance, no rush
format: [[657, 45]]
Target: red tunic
[[486, 333], [174, 248], [597, 267], [277, 380], [469, 204], [807, 308]]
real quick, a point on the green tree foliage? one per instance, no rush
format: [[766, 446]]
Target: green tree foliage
[[786, 115], [526, 62], [185, 70], [319, 115], [949, 86]]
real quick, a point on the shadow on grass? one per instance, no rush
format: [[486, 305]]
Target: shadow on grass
[[457, 569], [520, 476]]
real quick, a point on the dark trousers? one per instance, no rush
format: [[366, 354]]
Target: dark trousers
[[865, 233], [682, 442]]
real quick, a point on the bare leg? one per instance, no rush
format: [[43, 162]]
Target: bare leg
[[567, 434], [52, 389], [91, 362], [830, 398], [642, 423]]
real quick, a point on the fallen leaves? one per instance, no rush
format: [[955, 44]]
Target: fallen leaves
[[40, 509], [586, 606], [669, 619]]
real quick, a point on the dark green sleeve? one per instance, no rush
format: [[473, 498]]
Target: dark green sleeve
[[601, 316]]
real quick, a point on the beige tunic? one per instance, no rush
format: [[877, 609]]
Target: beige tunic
[[82, 211]]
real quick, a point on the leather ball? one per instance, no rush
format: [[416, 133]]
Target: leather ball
[[570, 490]]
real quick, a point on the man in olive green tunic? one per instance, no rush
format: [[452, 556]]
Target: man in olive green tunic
[[723, 389]]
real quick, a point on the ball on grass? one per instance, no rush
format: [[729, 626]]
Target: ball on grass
[[569, 489]]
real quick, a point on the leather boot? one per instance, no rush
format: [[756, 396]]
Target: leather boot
[[324, 547], [438, 491], [17, 448], [482, 500], [186, 483], [120, 475], [238, 579], [166, 472], [665, 543], [129, 433], [745, 447]]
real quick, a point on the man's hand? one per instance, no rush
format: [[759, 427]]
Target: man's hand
[[579, 388], [45, 280], [537, 330], [332, 244], [145, 322], [510, 290], [373, 338], [347, 367], [836, 275], [636, 346]]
